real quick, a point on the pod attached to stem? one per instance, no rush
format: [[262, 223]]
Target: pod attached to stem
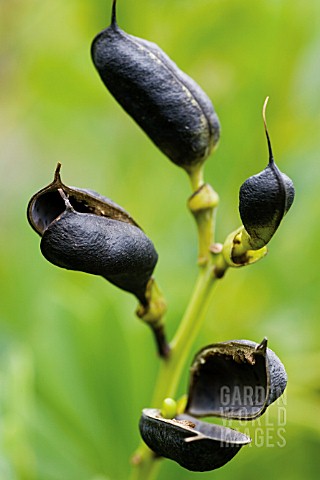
[[85, 231], [264, 199]]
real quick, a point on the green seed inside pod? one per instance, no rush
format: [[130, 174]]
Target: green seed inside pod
[[169, 408], [237, 379], [197, 446], [264, 199], [167, 104]]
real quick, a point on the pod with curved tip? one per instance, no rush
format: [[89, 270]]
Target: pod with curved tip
[[197, 446], [165, 102], [264, 199], [238, 379], [82, 230]]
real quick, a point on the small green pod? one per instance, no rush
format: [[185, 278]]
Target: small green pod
[[82, 230], [264, 199], [237, 379], [165, 102], [196, 445]]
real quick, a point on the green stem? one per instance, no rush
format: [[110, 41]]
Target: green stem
[[205, 223], [171, 369], [191, 324], [196, 177], [203, 205], [148, 468]]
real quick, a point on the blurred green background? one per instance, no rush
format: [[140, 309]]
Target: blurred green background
[[76, 366]]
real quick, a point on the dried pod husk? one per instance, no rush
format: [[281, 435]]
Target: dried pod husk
[[264, 199], [165, 102], [82, 230], [45, 205], [196, 445], [237, 379]]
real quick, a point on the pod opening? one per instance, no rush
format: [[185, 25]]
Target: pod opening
[[50, 205], [196, 445], [229, 387]]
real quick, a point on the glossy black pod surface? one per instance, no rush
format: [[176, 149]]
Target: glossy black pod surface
[[165, 102], [238, 379], [196, 445], [82, 230]]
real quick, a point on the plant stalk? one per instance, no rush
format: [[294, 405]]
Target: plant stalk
[[171, 369], [203, 205]]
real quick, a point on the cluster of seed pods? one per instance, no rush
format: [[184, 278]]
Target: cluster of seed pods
[[85, 231]]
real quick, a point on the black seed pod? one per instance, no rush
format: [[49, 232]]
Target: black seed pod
[[264, 200], [195, 445], [167, 104], [237, 379], [82, 230]]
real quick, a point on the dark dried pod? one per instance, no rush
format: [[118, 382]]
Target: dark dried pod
[[165, 102], [82, 230], [238, 379], [197, 446], [264, 199]]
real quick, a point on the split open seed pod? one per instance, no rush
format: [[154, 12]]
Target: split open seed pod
[[237, 379], [196, 445], [234, 380], [82, 230], [166, 103]]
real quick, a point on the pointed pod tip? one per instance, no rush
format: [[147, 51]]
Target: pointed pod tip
[[114, 13], [271, 160], [263, 345], [264, 111], [57, 172]]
